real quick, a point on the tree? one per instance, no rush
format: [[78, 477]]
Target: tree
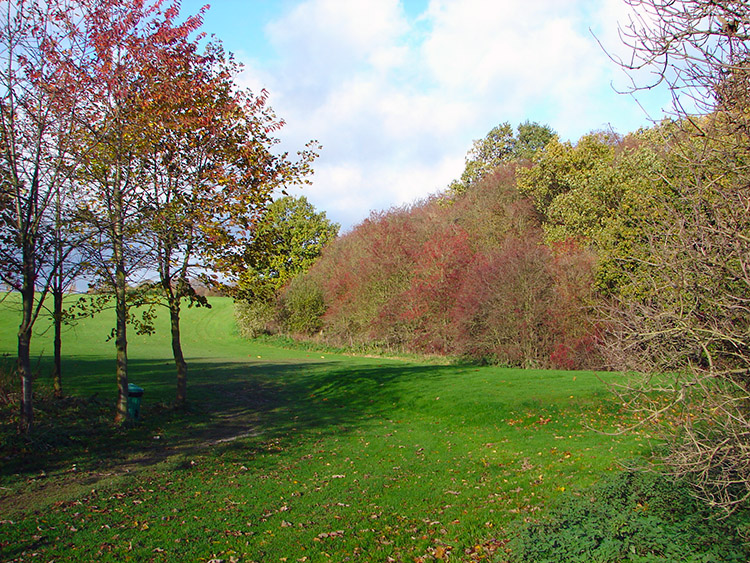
[[531, 137], [42, 45], [501, 145], [133, 40], [681, 303], [177, 115], [211, 173], [69, 263], [579, 189], [288, 239]]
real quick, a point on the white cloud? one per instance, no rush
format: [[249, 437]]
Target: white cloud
[[517, 46], [396, 102], [353, 190], [322, 41]]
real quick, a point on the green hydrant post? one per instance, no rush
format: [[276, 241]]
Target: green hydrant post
[[134, 401]]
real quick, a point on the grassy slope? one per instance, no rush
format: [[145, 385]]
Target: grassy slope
[[291, 454]]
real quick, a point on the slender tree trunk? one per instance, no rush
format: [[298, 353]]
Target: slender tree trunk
[[179, 358], [121, 305], [173, 296], [57, 313], [58, 283], [26, 419], [121, 344]]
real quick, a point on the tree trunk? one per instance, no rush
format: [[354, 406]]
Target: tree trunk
[[57, 295], [179, 358], [26, 419], [58, 286], [121, 304], [121, 344]]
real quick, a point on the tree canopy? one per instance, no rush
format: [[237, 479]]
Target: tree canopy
[[501, 145], [287, 241]]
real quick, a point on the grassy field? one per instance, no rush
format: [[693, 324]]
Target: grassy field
[[291, 454]]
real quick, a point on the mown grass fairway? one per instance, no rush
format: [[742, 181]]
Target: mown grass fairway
[[293, 455]]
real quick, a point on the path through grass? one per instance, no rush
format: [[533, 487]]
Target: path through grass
[[292, 455]]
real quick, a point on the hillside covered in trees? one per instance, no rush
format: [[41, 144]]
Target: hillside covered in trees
[[508, 265]]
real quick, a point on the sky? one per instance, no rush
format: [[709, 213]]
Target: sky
[[396, 91]]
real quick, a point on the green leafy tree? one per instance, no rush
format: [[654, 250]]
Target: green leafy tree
[[580, 188], [287, 240], [498, 146], [531, 137]]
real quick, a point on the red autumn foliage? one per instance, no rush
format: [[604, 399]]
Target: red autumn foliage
[[469, 277], [501, 312], [362, 270], [427, 304]]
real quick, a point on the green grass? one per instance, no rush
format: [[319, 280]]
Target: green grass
[[291, 454]]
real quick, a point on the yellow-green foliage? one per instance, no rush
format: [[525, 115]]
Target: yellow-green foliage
[[579, 188], [288, 239]]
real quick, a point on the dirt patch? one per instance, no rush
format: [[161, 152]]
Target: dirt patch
[[43, 490]]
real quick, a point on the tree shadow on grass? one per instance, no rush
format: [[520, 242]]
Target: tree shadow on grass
[[231, 402], [292, 399]]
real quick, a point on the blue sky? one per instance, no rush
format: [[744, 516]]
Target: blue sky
[[396, 91]]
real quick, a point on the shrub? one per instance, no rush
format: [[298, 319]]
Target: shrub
[[503, 309], [302, 306], [469, 275], [425, 306], [254, 319], [365, 269], [638, 517]]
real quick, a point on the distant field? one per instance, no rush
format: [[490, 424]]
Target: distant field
[[292, 455]]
